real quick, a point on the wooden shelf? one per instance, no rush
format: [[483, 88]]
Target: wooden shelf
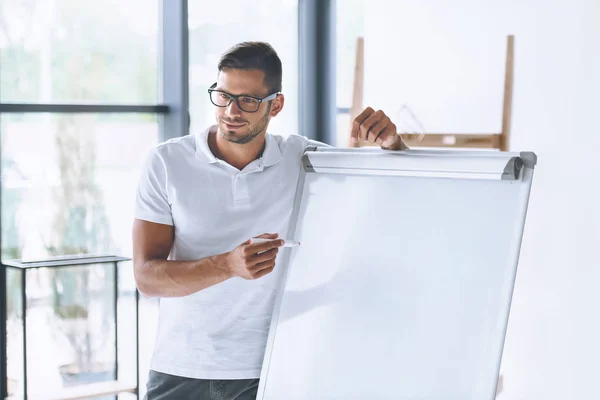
[[499, 141], [458, 140], [481, 141], [87, 391]]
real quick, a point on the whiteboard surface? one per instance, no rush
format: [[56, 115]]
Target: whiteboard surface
[[400, 290]]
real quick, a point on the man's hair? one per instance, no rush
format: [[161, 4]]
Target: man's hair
[[255, 55]]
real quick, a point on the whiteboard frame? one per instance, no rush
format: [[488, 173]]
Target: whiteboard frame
[[525, 163]]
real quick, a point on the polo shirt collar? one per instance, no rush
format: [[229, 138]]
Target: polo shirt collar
[[202, 150], [271, 155]]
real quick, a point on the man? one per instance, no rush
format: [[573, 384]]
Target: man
[[201, 199]]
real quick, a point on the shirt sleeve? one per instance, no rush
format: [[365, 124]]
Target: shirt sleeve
[[152, 200], [317, 143]]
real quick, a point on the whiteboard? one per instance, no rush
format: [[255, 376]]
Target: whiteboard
[[402, 286]]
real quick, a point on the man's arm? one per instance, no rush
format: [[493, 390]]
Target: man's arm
[[156, 276]]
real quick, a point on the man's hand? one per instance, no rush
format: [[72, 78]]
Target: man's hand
[[376, 127], [251, 261]]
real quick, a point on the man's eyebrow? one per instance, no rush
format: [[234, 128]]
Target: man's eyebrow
[[241, 94]]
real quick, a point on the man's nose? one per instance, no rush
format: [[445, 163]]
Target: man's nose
[[233, 109]]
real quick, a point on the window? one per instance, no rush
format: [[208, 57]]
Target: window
[[66, 51], [68, 187], [69, 177], [215, 26]]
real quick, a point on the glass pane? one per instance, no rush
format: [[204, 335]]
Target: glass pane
[[215, 26], [14, 332], [68, 186], [77, 51], [69, 181], [70, 329], [349, 26]]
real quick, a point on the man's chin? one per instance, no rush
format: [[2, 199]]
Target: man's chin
[[226, 131], [237, 136]]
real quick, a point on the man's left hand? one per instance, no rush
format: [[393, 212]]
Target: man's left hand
[[376, 127]]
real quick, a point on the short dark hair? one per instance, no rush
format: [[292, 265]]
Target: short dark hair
[[255, 55]]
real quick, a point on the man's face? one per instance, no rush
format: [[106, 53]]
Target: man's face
[[236, 125]]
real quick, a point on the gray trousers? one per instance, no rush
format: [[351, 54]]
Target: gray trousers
[[166, 387]]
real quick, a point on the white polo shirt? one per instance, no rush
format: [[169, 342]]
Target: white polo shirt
[[219, 332]]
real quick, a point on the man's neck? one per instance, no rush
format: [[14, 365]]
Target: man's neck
[[234, 154]]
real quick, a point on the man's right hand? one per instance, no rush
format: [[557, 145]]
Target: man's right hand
[[252, 261]]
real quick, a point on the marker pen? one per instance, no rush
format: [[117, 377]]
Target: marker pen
[[287, 243]]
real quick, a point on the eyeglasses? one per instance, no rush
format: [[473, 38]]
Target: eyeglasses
[[245, 103]]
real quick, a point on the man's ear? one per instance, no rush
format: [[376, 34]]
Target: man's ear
[[277, 105]]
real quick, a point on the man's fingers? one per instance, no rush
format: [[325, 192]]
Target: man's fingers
[[354, 133], [263, 272], [368, 124], [388, 137], [268, 236], [376, 127], [262, 257], [247, 242], [256, 248], [376, 130], [364, 114], [372, 126], [260, 266], [263, 236]]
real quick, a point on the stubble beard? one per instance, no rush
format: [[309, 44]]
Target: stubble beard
[[234, 137]]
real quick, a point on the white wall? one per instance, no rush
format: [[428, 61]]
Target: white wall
[[445, 59]]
